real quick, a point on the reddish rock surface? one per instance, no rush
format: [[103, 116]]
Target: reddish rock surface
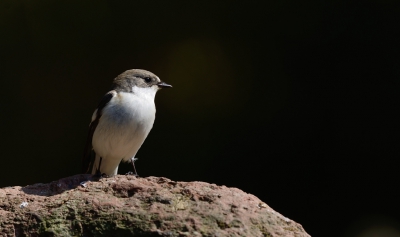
[[129, 206]]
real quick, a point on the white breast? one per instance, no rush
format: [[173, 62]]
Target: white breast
[[124, 125]]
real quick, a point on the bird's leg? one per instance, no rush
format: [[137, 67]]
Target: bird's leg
[[133, 164], [98, 173]]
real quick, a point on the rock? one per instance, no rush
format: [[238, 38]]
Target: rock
[[130, 206]]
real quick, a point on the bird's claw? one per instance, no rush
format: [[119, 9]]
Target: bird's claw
[[131, 173]]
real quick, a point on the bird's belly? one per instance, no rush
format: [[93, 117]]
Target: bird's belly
[[121, 131]]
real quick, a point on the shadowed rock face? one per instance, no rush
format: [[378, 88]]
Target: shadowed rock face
[[129, 206]]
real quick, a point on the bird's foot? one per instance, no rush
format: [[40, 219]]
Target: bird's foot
[[133, 159], [132, 173], [103, 175], [99, 175]]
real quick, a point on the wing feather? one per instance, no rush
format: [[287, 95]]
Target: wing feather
[[88, 159]]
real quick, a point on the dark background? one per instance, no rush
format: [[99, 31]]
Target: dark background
[[295, 102]]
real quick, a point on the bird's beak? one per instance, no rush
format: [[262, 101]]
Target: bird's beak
[[163, 85]]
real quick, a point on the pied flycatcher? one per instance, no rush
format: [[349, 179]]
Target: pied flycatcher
[[122, 121]]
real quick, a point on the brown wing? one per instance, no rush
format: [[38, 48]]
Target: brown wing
[[88, 159]]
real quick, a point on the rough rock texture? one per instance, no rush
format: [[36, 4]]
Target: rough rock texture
[[129, 206]]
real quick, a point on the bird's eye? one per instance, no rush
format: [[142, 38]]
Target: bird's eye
[[147, 79]]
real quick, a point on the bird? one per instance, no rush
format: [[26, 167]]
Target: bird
[[121, 122]]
